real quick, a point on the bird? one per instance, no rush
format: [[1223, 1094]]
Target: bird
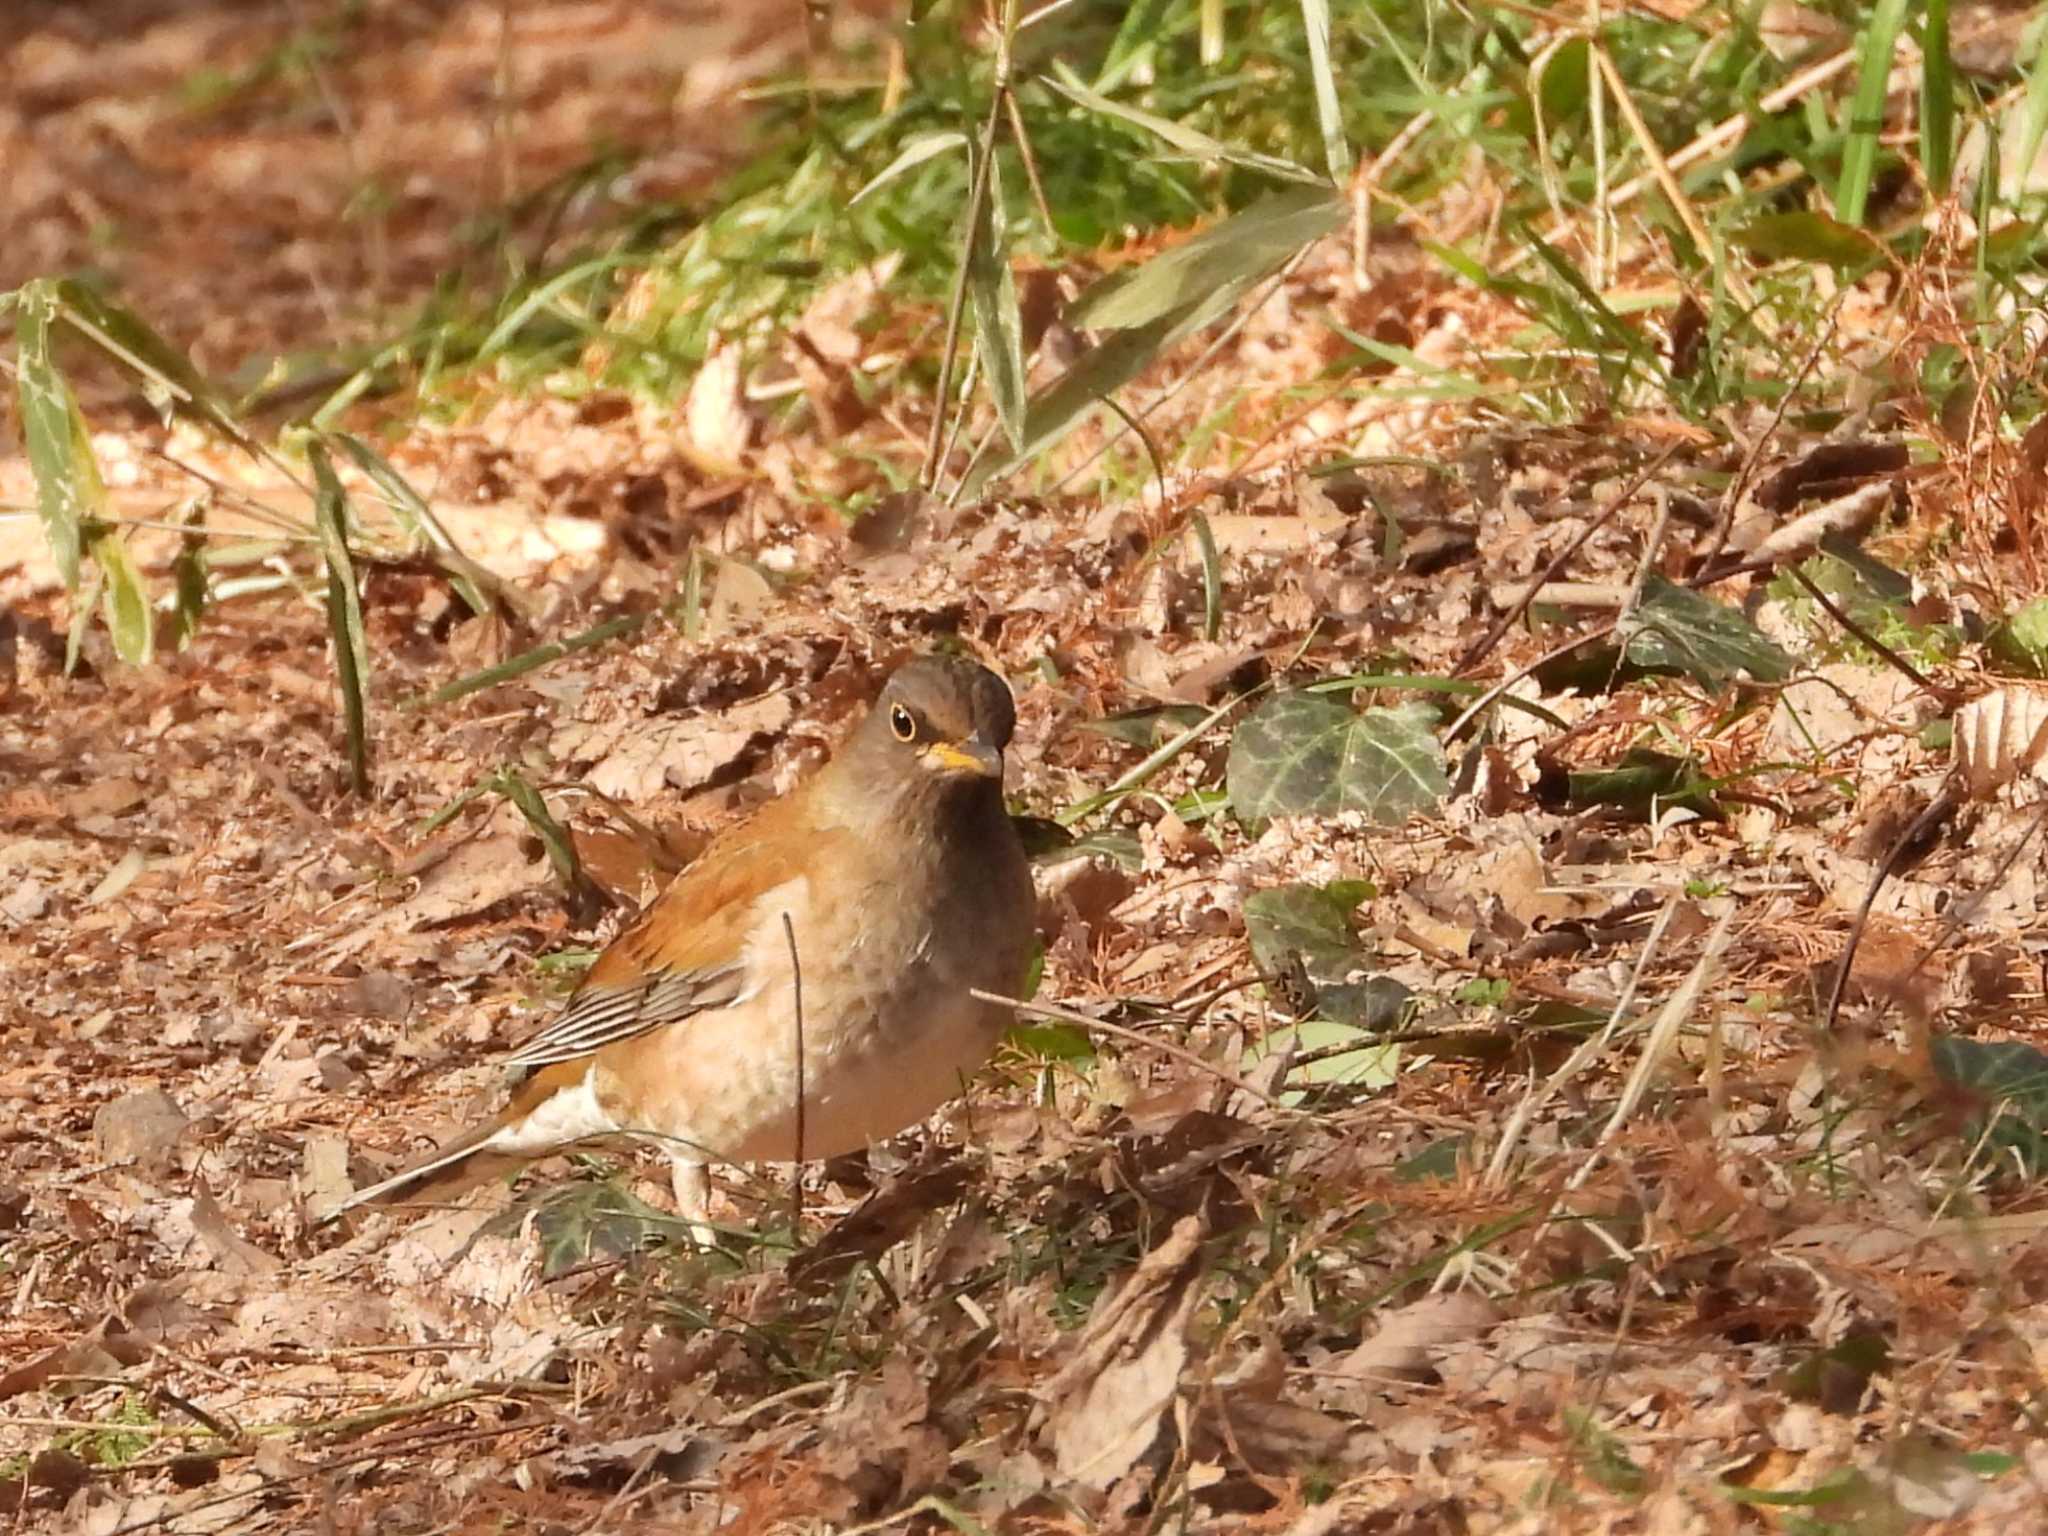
[[861, 912]]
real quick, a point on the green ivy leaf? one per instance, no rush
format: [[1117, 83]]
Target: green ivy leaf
[[1644, 783], [591, 1221], [1304, 932], [1304, 754], [1675, 629], [2020, 641], [1305, 921]]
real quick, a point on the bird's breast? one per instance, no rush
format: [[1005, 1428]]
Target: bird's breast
[[874, 978]]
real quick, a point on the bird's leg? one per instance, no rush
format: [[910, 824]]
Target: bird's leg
[[693, 1199]]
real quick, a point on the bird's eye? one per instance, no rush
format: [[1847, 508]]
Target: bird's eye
[[902, 723]]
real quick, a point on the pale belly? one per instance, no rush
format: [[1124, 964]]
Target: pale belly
[[724, 1086]]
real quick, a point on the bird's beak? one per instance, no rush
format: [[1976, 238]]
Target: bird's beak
[[973, 758]]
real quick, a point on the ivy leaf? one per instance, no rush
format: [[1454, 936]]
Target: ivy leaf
[[588, 1222], [1305, 754], [1305, 921], [1302, 941], [1644, 783], [1675, 629]]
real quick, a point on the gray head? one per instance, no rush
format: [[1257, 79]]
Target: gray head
[[940, 724]]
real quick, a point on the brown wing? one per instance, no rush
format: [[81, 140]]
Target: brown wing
[[687, 951]]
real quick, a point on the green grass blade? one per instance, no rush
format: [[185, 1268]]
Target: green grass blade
[[1189, 141], [914, 153], [1140, 28], [190, 580], [547, 293], [1937, 97], [69, 492], [168, 376], [554, 837], [1206, 275], [528, 661], [2035, 123], [1231, 254], [1315, 17], [344, 614], [1212, 577], [992, 290], [470, 580], [81, 619], [1866, 108]]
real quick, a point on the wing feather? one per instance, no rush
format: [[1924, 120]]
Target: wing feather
[[687, 952]]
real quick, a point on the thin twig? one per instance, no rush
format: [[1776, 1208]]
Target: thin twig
[[1486, 700], [1721, 136], [1663, 1032], [1945, 695], [1937, 810], [1030, 163], [1626, 617], [1506, 621], [796, 1168], [977, 209], [1666, 177], [1740, 488], [1589, 1050], [1178, 1052]]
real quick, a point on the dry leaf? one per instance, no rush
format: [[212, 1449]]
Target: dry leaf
[[1406, 1339], [653, 756], [717, 429], [1105, 1405], [230, 1250], [2000, 738]]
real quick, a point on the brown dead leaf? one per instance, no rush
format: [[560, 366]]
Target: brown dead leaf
[[143, 1128], [739, 592], [1249, 1420], [104, 797], [1104, 1407], [231, 1251], [878, 1223], [1405, 1342], [681, 1454], [473, 878], [649, 757]]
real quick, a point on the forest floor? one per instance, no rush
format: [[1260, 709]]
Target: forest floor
[[1749, 1258]]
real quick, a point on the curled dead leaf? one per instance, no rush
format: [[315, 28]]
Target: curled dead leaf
[[1104, 1407], [2000, 738], [1405, 1342], [717, 428]]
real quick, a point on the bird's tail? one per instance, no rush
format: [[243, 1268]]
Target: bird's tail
[[542, 1118]]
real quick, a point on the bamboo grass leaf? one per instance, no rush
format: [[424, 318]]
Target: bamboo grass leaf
[[915, 152], [70, 495], [992, 290], [344, 613]]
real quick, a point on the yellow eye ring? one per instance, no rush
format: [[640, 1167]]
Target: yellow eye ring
[[902, 724]]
